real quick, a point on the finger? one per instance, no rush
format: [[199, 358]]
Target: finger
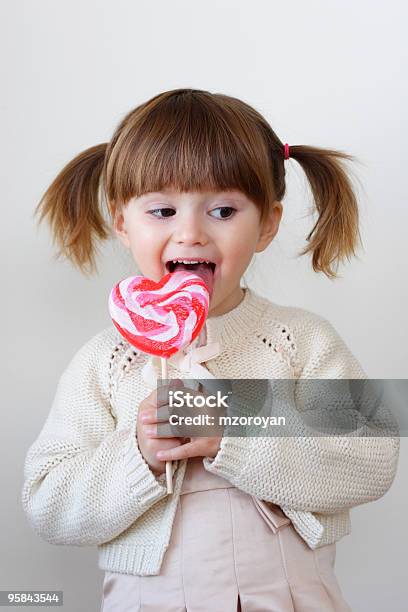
[[154, 415], [156, 398], [184, 451], [156, 408], [160, 430], [162, 392]]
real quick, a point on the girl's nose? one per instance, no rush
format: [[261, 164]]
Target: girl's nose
[[190, 231]]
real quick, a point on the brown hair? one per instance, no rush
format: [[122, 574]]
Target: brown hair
[[191, 140]]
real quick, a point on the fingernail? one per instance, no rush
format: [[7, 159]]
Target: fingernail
[[144, 418], [160, 454], [150, 431]]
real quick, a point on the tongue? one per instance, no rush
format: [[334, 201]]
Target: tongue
[[202, 270]]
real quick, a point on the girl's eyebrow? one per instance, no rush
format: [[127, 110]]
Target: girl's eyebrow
[[152, 194], [158, 194], [145, 198], [235, 196]]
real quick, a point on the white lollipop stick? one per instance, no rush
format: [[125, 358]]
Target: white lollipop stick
[[169, 464]]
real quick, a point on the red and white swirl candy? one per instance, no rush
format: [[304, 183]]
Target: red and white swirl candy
[[160, 318]]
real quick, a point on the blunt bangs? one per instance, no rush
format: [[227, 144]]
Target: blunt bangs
[[188, 142]]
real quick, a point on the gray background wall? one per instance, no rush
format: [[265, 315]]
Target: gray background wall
[[324, 72]]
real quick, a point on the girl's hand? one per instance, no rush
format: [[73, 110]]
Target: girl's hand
[[150, 445], [158, 427], [198, 447]]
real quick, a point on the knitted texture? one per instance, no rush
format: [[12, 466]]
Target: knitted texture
[[86, 482]]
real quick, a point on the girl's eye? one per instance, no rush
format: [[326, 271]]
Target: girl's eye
[[162, 213], [225, 210], [151, 212]]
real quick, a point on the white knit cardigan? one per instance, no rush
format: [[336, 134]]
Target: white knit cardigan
[[86, 482]]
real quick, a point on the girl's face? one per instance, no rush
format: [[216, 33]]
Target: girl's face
[[221, 227]]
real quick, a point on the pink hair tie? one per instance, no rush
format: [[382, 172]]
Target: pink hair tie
[[287, 154]]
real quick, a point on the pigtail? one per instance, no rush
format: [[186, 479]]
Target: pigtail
[[335, 235], [72, 209]]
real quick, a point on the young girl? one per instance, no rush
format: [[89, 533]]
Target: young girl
[[252, 522]]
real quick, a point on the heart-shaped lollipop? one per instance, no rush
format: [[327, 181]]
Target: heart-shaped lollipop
[[160, 318]]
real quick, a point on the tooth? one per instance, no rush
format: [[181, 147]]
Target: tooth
[[193, 261]]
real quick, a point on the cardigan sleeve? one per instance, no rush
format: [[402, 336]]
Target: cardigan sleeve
[[308, 471], [85, 481]]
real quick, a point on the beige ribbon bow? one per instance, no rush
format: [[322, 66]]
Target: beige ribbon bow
[[189, 363]]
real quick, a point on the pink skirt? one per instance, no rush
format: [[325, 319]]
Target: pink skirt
[[229, 552]]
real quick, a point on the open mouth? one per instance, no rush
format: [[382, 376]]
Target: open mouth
[[205, 269], [172, 266]]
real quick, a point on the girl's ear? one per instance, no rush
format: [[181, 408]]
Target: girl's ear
[[270, 226], [119, 226]]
